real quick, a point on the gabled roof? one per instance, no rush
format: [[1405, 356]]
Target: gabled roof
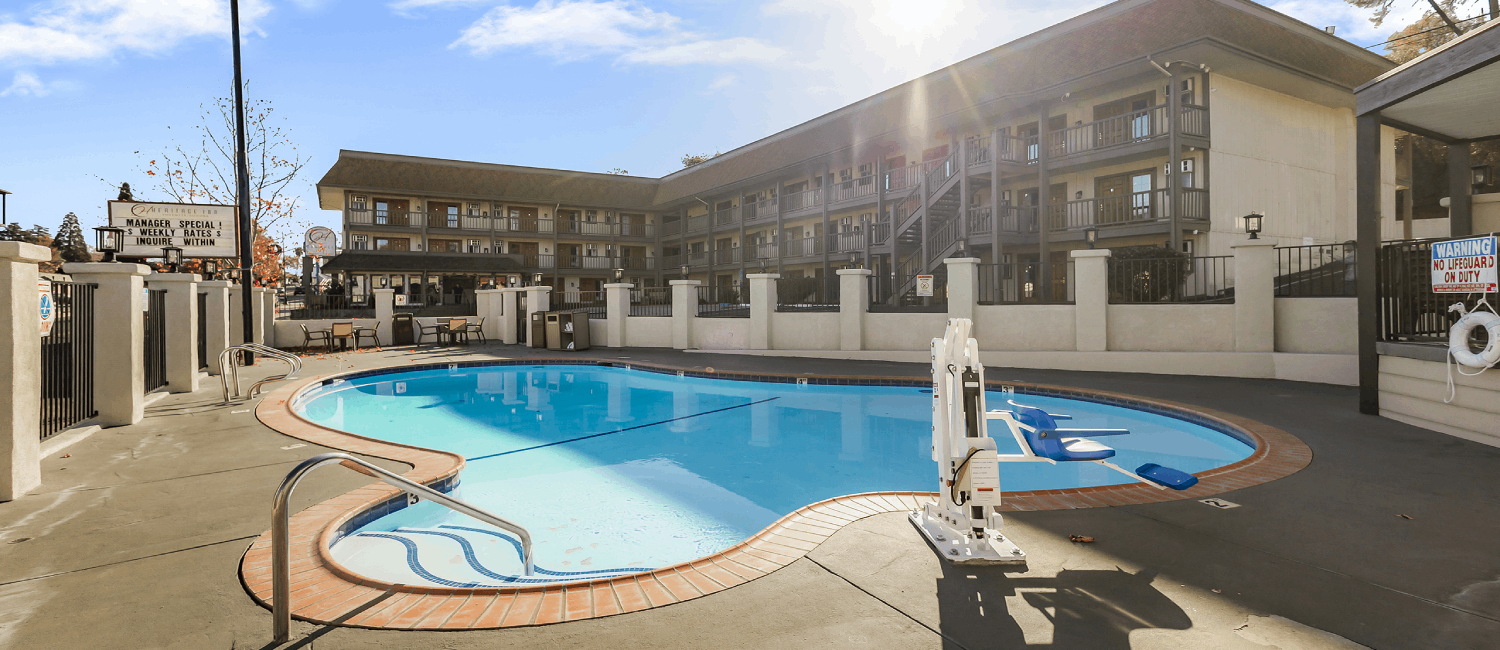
[[376, 172]]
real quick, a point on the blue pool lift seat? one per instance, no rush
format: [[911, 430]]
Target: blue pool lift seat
[[1062, 445]]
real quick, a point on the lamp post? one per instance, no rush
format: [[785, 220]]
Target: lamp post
[[854, 260], [1091, 236], [619, 275], [210, 269], [536, 279], [1253, 224], [684, 270], [247, 234], [172, 257], [3, 194], [108, 240]]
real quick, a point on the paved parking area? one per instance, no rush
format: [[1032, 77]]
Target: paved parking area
[[134, 538]]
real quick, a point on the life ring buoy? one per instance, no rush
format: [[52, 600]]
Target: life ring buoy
[[1458, 340]]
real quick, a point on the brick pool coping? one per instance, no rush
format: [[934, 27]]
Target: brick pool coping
[[325, 592]]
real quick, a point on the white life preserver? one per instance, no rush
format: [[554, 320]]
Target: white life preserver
[[1458, 340]]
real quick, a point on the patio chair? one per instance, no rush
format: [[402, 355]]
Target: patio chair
[[343, 332], [435, 329], [308, 336], [371, 332], [476, 328], [458, 327]]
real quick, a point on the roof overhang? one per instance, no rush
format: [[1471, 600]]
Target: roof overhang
[[1449, 94]]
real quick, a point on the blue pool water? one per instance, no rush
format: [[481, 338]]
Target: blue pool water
[[618, 468]]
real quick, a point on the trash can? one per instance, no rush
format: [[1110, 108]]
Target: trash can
[[554, 331], [537, 336], [403, 329]]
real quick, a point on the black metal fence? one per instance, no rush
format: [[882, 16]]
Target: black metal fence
[[1318, 271], [329, 307], [806, 294], [1409, 310], [899, 293], [590, 300], [448, 305], [1013, 283], [202, 331], [156, 339], [731, 301], [651, 301], [68, 359], [1172, 280]]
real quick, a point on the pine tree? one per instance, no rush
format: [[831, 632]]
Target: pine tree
[[70, 243], [39, 235], [13, 232]]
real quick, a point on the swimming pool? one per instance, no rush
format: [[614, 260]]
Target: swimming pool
[[617, 470]]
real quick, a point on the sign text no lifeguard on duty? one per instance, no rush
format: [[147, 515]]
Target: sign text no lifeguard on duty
[[1464, 266]]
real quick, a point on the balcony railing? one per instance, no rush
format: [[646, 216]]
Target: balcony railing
[[727, 256], [939, 171], [1136, 207], [726, 216], [901, 178], [880, 232], [1017, 219], [803, 246], [980, 222], [633, 263], [978, 150], [587, 262], [804, 200], [698, 223], [366, 217], [669, 228], [763, 251], [575, 227], [852, 241], [636, 229], [1136, 126], [523, 224], [763, 209], [852, 189], [1194, 120], [672, 261], [697, 258], [1018, 149]]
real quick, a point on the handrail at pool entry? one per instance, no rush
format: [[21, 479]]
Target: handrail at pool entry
[[281, 569], [228, 369]]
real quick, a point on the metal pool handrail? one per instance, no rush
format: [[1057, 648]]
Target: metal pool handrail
[[229, 370], [281, 567]]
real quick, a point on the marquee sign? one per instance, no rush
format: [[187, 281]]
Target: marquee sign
[[200, 230], [1464, 266]]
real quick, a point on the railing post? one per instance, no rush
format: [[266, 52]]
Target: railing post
[[119, 338], [617, 313], [509, 303], [21, 358], [1255, 296], [762, 306], [684, 312], [1090, 299], [963, 290], [217, 317], [181, 329], [854, 298]]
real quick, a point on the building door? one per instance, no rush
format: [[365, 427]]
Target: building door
[[442, 215], [391, 212], [523, 220]]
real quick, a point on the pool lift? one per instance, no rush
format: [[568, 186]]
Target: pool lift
[[963, 523]]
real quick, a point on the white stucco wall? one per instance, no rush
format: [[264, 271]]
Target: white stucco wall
[[722, 333], [1024, 327], [598, 330], [648, 332], [804, 330], [1413, 391], [289, 333], [902, 331], [1182, 328], [1317, 325]]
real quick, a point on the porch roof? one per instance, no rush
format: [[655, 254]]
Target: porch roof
[[1448, 94], [417, 262]]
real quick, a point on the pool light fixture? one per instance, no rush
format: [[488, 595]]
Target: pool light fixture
[[172, 257], [108, 240], [1253, 224], [1091, 236]]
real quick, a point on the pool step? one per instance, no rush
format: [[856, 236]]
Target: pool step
[[449, 556]]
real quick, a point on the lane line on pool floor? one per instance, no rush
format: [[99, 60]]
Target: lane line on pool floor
[[638, 426]]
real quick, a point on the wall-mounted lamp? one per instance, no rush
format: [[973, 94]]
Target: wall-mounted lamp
[[1253, 224], [172, 256], [210, 269], [683, 270], [1481, 175], [1091, 236], [109, 239], [536, 279], [619, 275]]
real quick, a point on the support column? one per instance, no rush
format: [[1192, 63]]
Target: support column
[[1043, 202], [684, 312], [762, 305], [265, 317], [182, 329], [854, 299], [217, 315], [1091, 300], [385, 311], [1174, 155], [963, 286], [1255, 296], [1367, 236], [537, 299], [119, 339], [1460, 203], [509, 303], [617, 313], [21, 368], [236, 314], [489, 305]]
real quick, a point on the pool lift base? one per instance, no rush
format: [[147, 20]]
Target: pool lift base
[[963, 546]]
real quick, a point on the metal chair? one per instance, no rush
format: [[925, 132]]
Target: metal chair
[[435, 329], [476, 328], [372, 332], [341, 332], [308, 336], [457, 327]]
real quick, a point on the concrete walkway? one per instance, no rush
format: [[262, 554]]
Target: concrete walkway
[[133, 540]]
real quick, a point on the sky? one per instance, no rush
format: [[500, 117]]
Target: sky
[[91, 91]]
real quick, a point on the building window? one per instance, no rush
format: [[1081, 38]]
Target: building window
[[591, 216], [392, 244], [473, 245], [357, 202], [358, 242]]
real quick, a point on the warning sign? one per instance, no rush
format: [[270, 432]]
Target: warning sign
[[1464, 266], [924, 285], [49, 308]]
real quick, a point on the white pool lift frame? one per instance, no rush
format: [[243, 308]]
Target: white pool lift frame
[[963, 523]]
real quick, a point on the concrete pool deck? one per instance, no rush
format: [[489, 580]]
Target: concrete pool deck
[[134, 539]]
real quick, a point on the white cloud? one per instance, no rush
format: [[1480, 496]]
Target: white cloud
[[569, 30], [723, 81], [72, 30], [25, 84], [402, 5]]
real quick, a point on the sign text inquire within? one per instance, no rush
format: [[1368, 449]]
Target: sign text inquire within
[[199, 230]]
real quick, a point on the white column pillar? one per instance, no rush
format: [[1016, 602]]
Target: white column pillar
[[762, 306], [236, 314], [258, 314], [20, 368], [854, 300], [963, 286], [1090, 300], [385, 310], [489, 305], [617, 305], [119, 339], [268, 316], [508, 304], [537, 299], [684, 312], [1255, 296], [218, 320], [182, 329]]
